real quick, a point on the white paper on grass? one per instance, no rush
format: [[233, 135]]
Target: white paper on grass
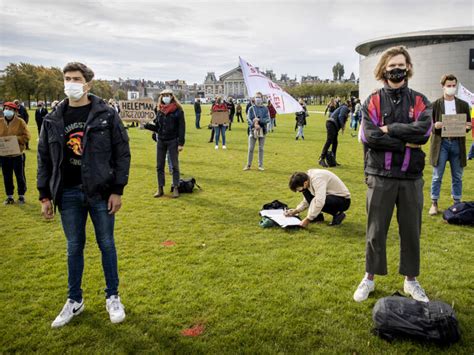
[[258, 82], [279, 217]]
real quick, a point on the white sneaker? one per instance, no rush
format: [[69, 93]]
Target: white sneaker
[[433, 210], [414, 289], [115, 309], [246, 168], [363, 290], [224, 147], [261, 168], [70, 310], [217, 147]]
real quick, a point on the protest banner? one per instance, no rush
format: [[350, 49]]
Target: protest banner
[[137, 110], [9, 146], [453, 125], [258, 82], [220, 117]]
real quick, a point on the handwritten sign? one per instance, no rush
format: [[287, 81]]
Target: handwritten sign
[[137, 110], [453, 125], [220, 117], [9, 146]]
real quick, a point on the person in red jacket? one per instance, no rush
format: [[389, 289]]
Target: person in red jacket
[[219, 129], [272, 112]]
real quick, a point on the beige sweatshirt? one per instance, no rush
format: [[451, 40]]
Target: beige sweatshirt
[[322, 183]]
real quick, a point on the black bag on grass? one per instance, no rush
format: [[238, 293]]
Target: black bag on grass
[[460, 213], [187, 185], [397, 317], [274, 205], [330, 159]]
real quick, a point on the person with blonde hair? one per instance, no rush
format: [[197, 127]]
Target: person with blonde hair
[[170, 127], [396, 123], [257, 119]]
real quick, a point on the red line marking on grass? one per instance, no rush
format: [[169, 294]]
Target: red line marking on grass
[[194, 331], [168, 243]]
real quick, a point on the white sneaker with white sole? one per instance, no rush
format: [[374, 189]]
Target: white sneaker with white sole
[[115, 308], [365, 287], [70, 310], [414, 289]]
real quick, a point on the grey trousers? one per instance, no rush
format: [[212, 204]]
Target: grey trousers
[[382, 195], [261, 143], [171, 147]]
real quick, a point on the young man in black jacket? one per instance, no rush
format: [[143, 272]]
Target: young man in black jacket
[[396, 123], [197, 112], [83, 167]]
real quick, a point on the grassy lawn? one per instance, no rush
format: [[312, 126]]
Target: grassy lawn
[[254, 290]]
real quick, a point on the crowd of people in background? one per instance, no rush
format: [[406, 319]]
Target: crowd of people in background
[[89, 178]]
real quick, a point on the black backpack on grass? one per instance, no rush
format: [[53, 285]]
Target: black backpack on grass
[[398, 317], [460, 213], [187, 185]]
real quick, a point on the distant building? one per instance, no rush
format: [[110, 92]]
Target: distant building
[[311, 80], [230, 83], [434, 53]]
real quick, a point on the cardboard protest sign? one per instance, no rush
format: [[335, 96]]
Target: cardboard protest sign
[[453, 125], [220, 117], [9, 146], [137, 110]]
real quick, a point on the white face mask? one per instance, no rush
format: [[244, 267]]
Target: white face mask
[[8, 114], [449, 91], [258, 100], [166, 99], [74, 91]]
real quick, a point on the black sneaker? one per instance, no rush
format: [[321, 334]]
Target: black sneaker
[[337, 219], [21, 200], [323, 163], [9, 201], [319, 219]]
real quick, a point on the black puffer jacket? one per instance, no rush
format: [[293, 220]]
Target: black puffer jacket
[[105, 155], [407, 115], [169, 127]]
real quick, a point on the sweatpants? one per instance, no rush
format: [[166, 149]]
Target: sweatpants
[[15, 165], [383, 195]]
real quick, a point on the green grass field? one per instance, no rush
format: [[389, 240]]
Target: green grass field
[[255, 290]]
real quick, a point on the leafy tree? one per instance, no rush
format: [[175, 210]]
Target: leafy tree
[[102, 89]]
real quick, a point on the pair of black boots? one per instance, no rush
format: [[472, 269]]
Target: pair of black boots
[[328, 161]]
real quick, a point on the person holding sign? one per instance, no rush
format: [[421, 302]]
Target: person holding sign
[[323, 191], [220, 120], [83, 167], [170, 128], [453, 148], [396, 123], [13, 161], [257, 119]]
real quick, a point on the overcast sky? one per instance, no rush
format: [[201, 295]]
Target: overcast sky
[[166, 40]]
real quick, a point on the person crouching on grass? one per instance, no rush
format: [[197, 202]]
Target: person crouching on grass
[[170, 128], [323, 191]]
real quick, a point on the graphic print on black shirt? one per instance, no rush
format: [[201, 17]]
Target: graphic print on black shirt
[[74, 122]]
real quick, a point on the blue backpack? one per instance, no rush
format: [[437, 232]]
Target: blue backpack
[[460, 213]]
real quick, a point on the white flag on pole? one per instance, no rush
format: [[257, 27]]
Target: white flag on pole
[[257, 82], [466, 95]]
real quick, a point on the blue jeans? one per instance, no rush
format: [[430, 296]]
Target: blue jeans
[[471, 152], [300, 132], [74, 210], [449, 152], [220, 129], [198, 119]]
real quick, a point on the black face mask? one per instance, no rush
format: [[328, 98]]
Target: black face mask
[[396, 75]]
